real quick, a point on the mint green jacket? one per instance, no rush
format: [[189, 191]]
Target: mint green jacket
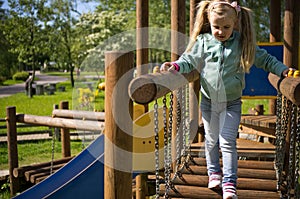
[[221, 77]]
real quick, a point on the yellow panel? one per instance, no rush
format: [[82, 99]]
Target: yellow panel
[[144, 141]]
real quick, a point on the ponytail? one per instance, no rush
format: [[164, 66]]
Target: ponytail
[[201, 23], [248, 39]]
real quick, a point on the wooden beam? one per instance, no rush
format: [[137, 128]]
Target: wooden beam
[[60, 122], [118, 125], [11, 124], [83, 115], [291, 33], [142, 34], [289, 87], [146, 88], [65, 134]]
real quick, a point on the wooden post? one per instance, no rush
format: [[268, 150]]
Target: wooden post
[[11, 125], [291, 50], [118, 125], [142, 13], [65, 134], [142, 67], [177, 48], [275, 36], [194, 87], [291, 33]]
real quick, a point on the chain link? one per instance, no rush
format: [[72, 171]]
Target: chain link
[[297, 155], [52, 150], [290, 177], [166, 149], [156, 131]]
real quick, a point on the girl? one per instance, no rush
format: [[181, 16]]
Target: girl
[[223, 48]]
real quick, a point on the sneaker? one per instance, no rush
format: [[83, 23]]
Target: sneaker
[[215, 180], [229, 191]]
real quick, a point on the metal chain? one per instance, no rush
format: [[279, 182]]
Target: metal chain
[[278, 141], [52, 150], [287, 115], [188, 145], [297, 155], [166, 151], [183, 121], [290, 177], [156, 131], [178, 129]]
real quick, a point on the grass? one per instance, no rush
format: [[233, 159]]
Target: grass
[[38, 151]]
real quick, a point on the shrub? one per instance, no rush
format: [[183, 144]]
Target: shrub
[[21, 76], [2, 79]]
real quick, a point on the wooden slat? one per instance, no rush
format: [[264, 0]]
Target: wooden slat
[[19, 172], [265, 121], [249, 164], [43, 171], [183, 191], [242, 172], [243, 144], [243, 183]]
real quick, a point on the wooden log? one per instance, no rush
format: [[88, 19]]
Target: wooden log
[[118, 125], [249, 164], [142, 34], [289, 87], [183, 191], [60, 122], [11, 123], [243, 183], [146, 88], [242, 172], [32, 175], [80, 115], [65, 134], [19, 172]]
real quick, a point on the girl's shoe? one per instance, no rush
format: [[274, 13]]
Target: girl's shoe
[[215, 180], [229, 191]]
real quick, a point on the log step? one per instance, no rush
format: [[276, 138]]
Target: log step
[[183, 191], [242, 172], [243, 183], [249, 164]]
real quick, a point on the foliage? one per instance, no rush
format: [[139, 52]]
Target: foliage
[[21, 76], [2, 79], [99, 32]]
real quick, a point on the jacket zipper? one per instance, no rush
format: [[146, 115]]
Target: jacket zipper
[[222, 49]]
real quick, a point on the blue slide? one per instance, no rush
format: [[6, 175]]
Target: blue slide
[[82, 177]]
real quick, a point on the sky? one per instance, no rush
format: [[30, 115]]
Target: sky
[[82, 7]]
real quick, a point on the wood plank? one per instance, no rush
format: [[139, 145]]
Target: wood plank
[[183, 191], [249, 164], [45, 170], [243, 183], [242, 172], [19, 172], [243, 144], [265, 121]]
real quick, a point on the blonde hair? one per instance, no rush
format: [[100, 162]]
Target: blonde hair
[[245, 27]]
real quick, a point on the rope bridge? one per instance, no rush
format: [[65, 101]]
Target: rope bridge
[[184, 173]]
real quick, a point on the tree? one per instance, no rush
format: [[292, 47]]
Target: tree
[[99, 32], [64, 37], [7, 59]]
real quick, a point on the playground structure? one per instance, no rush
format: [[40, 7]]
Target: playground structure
[[118, 184]]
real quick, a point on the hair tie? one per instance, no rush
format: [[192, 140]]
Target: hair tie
[[234, 5]]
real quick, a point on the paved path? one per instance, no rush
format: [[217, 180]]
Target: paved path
[[6, 91]]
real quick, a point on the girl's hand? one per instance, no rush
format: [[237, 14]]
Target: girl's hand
[[288, 72], [167, 66]]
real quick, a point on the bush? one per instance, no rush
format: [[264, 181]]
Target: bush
[[2, 79], [21, 76]]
